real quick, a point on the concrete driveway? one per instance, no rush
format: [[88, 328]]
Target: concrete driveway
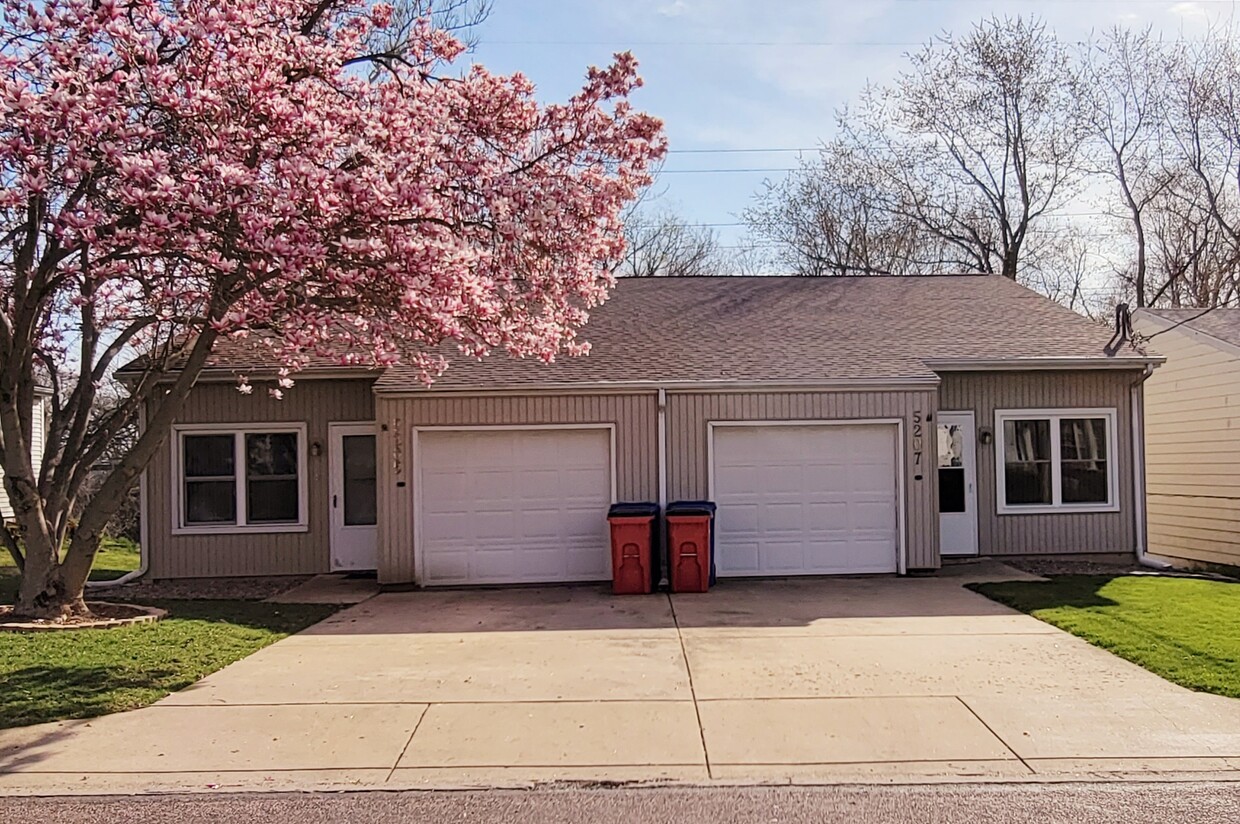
[[805, 680]]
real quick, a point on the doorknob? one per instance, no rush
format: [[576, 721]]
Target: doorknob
[[334, 504]]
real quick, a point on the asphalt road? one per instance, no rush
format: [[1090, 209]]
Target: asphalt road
[[1169, 803]]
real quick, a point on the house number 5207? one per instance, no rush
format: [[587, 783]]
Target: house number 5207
[[918, 426]]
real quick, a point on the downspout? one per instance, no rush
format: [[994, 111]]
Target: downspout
[[144, 527], [662, 437], [1137, 404]]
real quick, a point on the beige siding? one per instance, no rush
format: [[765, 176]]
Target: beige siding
[[317, 403], [635, 418], [37, 436], [1192, 443], [983, 393], [688, 415]]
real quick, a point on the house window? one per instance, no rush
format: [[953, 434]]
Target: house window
[[250, 479], [1056, 460]]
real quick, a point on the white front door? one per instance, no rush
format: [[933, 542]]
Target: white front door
[[957, 483], [353, 496]]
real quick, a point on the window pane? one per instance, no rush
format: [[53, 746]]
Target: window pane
[[271, 453], [1083, 438], [1028, 483], [210, 502], [359, 480], [270, 502], [1084, 482], [951, 489], [951, 445], [1025, 441], [208, 455]]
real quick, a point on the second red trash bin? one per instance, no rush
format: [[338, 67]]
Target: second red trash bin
[[634, 565], [691, 545]]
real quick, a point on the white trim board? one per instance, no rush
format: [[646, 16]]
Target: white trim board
[[901, 465], [415, 471], [1110, 413], [178, 482]]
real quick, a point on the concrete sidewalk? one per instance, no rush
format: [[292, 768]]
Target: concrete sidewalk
[[818, 681]]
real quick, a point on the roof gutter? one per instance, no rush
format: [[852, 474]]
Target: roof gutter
[[1041, 364], [858, 384]]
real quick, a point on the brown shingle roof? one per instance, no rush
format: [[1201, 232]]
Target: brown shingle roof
[[796, 330], [1223, 324]]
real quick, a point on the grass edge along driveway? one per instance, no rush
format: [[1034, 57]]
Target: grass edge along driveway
[[53, 676], [1183, 629]]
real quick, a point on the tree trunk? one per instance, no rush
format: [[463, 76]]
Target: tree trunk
[[46, 592]]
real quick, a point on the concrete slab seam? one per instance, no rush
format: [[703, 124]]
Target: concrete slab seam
[[400, 756], [998, 737], [692, 692]]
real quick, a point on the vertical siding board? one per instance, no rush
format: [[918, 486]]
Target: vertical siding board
[[983, 393]]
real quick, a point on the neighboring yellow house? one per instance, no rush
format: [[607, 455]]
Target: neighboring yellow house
[[1192, 434]]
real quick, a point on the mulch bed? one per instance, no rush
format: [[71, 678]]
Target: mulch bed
[[208, 589], [105, 615], [1067, 566]]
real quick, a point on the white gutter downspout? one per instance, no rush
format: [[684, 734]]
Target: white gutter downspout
[[144, 527], [662, 427], [1138, 472]]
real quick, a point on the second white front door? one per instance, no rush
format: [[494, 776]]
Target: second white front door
[[957, 484], [355, 534]]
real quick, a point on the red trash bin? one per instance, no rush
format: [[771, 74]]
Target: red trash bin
[[632, 547], [689, 546]]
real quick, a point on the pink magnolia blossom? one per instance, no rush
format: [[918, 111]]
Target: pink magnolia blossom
[[194, 165]]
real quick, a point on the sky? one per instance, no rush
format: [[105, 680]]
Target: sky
[[748, 85]]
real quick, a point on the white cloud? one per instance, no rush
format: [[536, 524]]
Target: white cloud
[[676, 8]]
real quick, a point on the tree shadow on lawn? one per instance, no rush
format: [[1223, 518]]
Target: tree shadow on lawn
[[39, 694], [1079, 591]]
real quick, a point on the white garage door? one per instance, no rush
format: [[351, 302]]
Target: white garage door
[[513, 506], [805, 500]]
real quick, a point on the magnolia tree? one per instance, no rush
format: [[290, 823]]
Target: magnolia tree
[[177, 172]]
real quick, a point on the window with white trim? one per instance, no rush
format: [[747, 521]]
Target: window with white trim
[[250, 478], [1056, 460]]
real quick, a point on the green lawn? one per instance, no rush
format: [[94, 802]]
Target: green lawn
[[1185, 629], [79, 674], [116, 557]]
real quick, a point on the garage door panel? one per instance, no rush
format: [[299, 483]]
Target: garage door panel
[[779, 479], [514, 506], [812, 499]]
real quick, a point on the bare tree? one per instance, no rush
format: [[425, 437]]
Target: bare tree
[[659, 242], [1125, 79], [827, 219], [949, 168]]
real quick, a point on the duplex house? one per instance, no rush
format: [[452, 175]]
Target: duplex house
[[842, 425]]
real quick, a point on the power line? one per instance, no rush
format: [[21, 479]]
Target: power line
[[721, 171], [740, 151]]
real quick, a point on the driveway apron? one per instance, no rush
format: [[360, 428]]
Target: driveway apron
[[813, 680]]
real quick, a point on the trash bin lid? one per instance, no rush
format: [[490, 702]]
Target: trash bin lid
[[633, 510], [691, 508]]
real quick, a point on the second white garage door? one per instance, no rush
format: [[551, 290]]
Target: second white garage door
[[513, 506], [806, 499]]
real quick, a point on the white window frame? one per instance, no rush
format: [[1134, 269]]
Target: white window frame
[[1109, 414], [238, 431]]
